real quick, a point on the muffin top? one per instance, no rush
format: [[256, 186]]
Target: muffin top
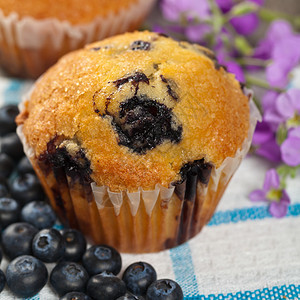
[[139, 106], [74, 11]]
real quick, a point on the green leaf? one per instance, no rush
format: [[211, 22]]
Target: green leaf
[[268, 15], [281, 134], [243, 46], [243, 9], [218, 21], [285, 171], [293, 172]]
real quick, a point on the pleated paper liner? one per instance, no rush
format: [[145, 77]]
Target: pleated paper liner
[[142, 221], [28, 46]]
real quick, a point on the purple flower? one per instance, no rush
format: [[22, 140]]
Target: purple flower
[[281, 45], [245, 24], [286, 109], [275, 46], [193, 11], [277, 74], [285, 56], [225, 5], [290, 148], [196, 33], [173, 9], [268, 100], [277, 31], [264, 140], [159, 29], [232, 66], [288, 105], [236, 69], [272, 192]]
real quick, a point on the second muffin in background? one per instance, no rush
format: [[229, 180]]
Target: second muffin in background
[[35, 33], [136, 137]]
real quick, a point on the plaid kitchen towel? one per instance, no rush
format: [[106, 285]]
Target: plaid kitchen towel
[[243, 253]]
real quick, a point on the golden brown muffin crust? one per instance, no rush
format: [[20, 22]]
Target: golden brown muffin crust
[[74, 11], [80, 98]]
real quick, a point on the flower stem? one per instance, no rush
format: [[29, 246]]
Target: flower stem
[[218, 18], [249, 61], [251, 80], [285, 172], [271, 15]]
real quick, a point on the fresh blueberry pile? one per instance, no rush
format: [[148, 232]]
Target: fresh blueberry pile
[[29, 241]]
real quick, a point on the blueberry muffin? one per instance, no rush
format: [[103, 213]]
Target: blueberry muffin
[[35, 33], [135, 138]]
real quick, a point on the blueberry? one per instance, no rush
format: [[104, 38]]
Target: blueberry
[[75, 244], [105, 286], [129, 296], [26, 188], [2, 280], [39, 214], [68, 277], [48, 245], [26, 276], [9, 211], [138, 276], [8, 114], [144, 123], [12, 146], [6, 165], [24, 166], [100, 258], [17, 239], [140, 45], [164, 289], [4, 189], [75, 296]]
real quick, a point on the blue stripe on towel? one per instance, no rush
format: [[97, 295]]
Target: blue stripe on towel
[[290, 292], [13, 92], [285, 292], [36, 297], [249, 213], [184, 272]]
